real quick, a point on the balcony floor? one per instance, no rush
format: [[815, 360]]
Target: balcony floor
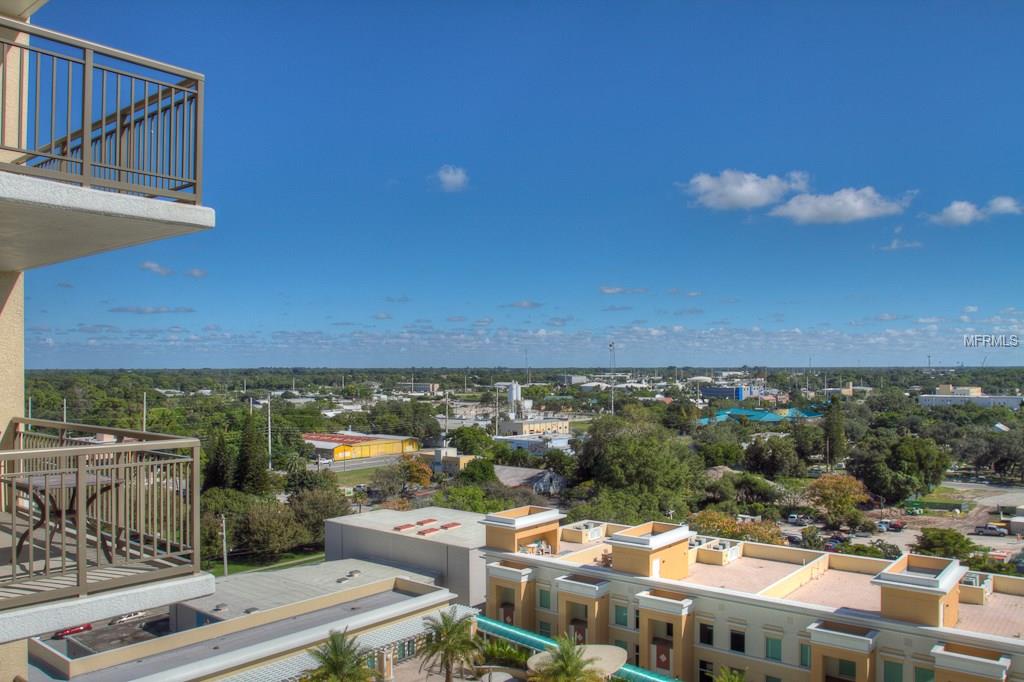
[[99, 568]]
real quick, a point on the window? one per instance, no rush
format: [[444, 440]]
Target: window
[[892, 672], [410, 648], [401, 650], [622, 645], [924, 675], [805, 655], [544, 597], [738, 641], [706, 671], [773, 648], [621, 615], [772, 678], [636, 619], [668, 629], [707, 634], [847, 668], [544, 628]]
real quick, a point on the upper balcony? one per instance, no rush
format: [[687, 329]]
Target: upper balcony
[[100, 148], [85, 509]]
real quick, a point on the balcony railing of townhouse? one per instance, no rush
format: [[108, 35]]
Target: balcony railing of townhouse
[[85, 509], [143, 118]]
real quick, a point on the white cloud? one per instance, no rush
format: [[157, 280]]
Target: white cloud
[[843, 206], [970, 309], [156, 268], [524, 304], [898, 244], [959, 213], [195, 273], [382, 316], [965, 212], [733, 189], [452, 178], [1004, 205], [614, 291], [151, 310]]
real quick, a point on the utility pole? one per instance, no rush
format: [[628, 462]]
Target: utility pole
[[224, 543], [526, 357], [65, 410], [611, 364], [270, 447], [144, 410]]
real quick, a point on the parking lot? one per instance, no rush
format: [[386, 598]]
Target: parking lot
[[985, 498]]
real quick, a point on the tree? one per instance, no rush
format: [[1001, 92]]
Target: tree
[[415, 470], [812, 537], [234, 505], [479, 470], [898, 468], [297, 481], [835, 435], [450, 644], [774, 457], [471, 440], [837, 495], [567, 664], [723, 525], [360, 498], [271, 528], [637, 455], [945, 542], [220, 464], [729, 675], [559, 461], [313, 506], [251, 475], [340, 659], [388, 480], [808, 440]]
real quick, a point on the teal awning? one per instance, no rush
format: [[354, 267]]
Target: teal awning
[[532, 640]]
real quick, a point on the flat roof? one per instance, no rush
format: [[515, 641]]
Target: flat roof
[[745, 574], [169, 661], [470, 533], [841, 590], [1002, 615], [266, 590]]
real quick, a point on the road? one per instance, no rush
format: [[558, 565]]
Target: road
[[357, 464]]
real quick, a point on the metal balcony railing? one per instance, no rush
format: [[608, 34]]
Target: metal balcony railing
[[79, 112], [85, 509]]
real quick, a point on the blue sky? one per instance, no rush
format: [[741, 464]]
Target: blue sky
[[453, 183]]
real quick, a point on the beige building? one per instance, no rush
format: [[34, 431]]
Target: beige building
[[533, 427], [687, 606], [94, 522]]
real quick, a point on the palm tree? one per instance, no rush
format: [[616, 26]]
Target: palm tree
[[729, 675], [450, 643], [567, 664], [340, 659]]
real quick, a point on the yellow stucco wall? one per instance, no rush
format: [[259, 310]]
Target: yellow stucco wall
[[12, 351], [912, 607], [13, 660]]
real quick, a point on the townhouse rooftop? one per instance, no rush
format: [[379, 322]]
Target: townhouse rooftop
[[845, 584]]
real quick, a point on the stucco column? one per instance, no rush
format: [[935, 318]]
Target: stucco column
[[12, 352]]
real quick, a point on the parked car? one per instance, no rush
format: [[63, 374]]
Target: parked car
[[325, 460], [61, 634], [896, 526], [990, 529], [128, 618], [795, 540], [793, 518]]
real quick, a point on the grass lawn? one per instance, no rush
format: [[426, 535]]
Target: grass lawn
[[245, 564], [946, 494], [353, 477]]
